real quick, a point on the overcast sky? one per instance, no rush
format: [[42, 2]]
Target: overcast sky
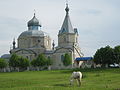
[[98, 21]]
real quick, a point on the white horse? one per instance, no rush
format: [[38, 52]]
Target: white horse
[[76, 76]]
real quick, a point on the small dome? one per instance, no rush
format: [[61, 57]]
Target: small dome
[[34, 22], [37, 33]]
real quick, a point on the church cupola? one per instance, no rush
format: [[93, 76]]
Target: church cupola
[[33, 24]]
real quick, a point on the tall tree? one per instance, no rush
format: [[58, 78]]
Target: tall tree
[[67, 59]]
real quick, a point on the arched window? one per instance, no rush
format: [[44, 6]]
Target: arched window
[[27, 57], [62, 57], [47, 42]]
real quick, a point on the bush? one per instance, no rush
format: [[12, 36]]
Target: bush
[[3, 63], [67, 60]]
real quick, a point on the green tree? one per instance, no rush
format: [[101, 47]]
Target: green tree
[[14, 62], [49, 61], [117, 54], [18, 62], [104, 56], [67, 59], [40, 61], [3, 63], [109, 55], [98, 57], [23, 62], [33, 63]]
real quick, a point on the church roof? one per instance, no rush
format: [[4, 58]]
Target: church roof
[[6, 56], [84, 58], [66, 26], [34, 21], [39, 33]]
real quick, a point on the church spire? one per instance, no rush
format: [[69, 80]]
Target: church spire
[[66, 26], [34, 12]]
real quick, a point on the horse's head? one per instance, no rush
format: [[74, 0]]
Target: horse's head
[[71, 82]]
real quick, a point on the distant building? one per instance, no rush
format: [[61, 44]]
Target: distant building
[[84, 62], [35, 41], [6, 57]]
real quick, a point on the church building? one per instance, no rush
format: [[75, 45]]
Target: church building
[[35, 41]]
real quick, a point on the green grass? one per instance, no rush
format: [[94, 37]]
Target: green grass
[[93, 79]]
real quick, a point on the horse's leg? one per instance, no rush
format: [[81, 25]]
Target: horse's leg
[[79, 82], [73, 83]]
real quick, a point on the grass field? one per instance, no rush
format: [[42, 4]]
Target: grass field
[[93, 79]]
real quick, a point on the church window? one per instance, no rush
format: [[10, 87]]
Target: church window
[[47, 42], [38, 40], [62, 57], [63, 30], [33, 28], [27, 57], [59, 64]]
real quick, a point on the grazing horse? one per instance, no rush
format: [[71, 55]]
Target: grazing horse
[[76, 76]]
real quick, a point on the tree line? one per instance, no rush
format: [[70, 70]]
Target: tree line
[[20, 63], [107, 55]]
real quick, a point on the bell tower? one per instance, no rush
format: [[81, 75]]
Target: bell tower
[[67, 36]]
